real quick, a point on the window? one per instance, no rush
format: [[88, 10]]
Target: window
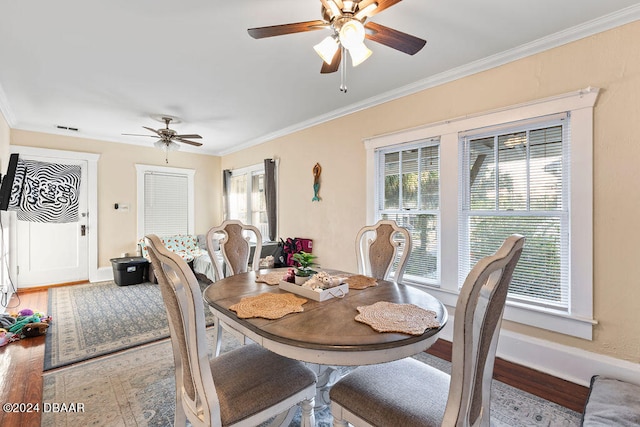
[[513, 180], [247, 197], [408, 192], [165, 200], [527, 168]]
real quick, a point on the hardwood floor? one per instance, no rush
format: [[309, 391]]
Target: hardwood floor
[[562, 392], [21, 365]]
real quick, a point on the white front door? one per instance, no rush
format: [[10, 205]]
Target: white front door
[[52, 253]]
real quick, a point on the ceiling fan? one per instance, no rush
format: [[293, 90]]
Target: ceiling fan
[[169, 137], [346, 21]]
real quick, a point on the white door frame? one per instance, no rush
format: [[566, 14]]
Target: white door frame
[[92, 199]]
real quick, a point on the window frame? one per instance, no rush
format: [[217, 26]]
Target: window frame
[[250, 172], [562, 214], [141, 170], [578, 321], [381, 210]]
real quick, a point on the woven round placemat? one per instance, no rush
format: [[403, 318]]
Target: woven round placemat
[[391, 317], [271, 278], [359, 281], [268, 306]]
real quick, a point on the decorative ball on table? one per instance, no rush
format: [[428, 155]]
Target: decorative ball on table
[[289, 276]]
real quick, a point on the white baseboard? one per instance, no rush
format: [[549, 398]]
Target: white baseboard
[[561, 361], [102, 274]]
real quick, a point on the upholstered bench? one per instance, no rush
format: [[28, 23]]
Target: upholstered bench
[[611, 403]]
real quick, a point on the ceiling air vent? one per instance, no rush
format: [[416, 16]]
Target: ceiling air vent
[[67, 128]]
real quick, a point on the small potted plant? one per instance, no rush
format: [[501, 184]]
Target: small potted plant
[[303, 268]]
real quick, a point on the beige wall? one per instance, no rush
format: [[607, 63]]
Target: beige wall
[[5, 133], [610, 60], [117, 184]]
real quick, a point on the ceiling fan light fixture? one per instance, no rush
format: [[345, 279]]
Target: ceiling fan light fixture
[[359, 53], [366, 11], [166, 145], [327, 48], [335, 9], [351, 33]]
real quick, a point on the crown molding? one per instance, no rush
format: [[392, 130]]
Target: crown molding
[[607, 22]]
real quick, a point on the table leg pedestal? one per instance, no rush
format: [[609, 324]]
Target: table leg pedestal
[[327, 377]]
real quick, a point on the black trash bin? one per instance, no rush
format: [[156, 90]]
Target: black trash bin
[[129, 270]]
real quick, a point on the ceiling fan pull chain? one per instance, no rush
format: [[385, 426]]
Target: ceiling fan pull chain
[[343, 72]]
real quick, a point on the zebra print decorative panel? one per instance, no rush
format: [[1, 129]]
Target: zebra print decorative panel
[[45, 192]]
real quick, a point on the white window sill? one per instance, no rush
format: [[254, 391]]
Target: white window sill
[[540, 317]]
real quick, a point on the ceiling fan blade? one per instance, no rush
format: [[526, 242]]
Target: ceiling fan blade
[[279, 30], [197, 144], [382, 5], [137, 134], [152, 130], [335, 63], [393, 38], [190, 136]]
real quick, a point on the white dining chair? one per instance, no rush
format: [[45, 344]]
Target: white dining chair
[[233, 238], [242, 387], [377, 247], [411, 393]]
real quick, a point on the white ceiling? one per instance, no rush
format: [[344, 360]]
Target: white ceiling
[[107, 67]]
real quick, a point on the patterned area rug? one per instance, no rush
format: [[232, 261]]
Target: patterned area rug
[[136, 388], [102, 318]]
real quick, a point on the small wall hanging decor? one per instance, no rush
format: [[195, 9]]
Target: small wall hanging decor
[[317, 170]]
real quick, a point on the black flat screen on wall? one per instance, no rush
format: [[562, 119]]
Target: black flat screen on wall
[[7, 182]]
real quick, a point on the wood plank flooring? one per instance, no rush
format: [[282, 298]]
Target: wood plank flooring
[[21, 371], [562, 392], [21, 365]]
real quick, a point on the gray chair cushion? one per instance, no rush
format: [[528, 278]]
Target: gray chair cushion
[[612, 402], [244, 380], [401, 393]]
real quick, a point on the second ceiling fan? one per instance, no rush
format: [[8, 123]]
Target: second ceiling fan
[[347, 22], [168, 137]]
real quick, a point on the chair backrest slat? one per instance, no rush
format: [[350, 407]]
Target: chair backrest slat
[[185, 311], [477, 320], [234, 247], [376, 256]]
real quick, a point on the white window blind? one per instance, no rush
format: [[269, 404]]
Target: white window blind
[[166, 203], [408, 192], [514, 179]]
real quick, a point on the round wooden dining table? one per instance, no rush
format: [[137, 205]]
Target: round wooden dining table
[[326, 332]]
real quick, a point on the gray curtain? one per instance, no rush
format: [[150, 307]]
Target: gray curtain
[[226, 180], [270, 196]]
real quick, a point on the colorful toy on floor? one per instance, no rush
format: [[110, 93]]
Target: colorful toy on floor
[[26, 323], [6, 321], [35, 329]]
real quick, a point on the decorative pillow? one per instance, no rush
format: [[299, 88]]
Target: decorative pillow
[[612, 402]]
